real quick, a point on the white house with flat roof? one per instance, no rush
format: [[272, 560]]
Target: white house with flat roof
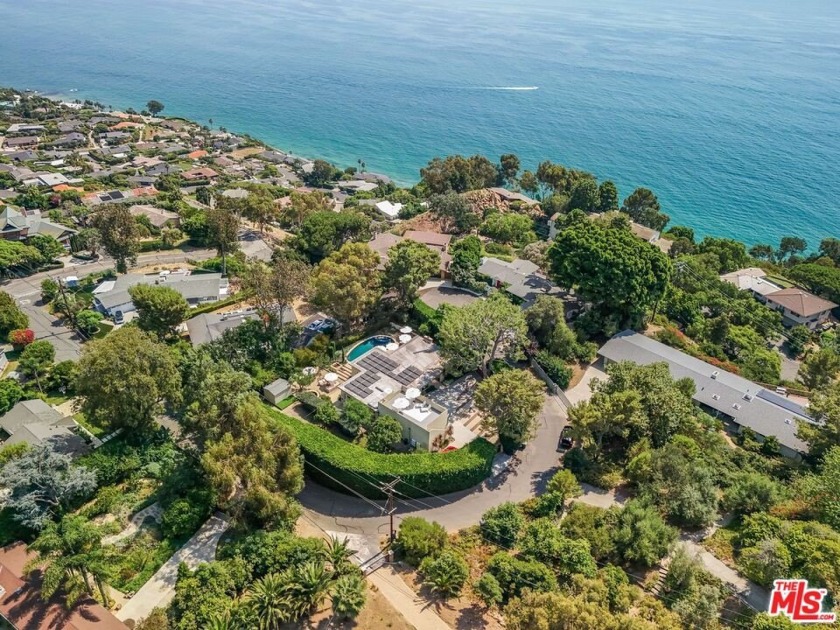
[[422, 420]]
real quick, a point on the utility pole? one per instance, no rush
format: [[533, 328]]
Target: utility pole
[[390, 506]]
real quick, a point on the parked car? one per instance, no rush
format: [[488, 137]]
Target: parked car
[[314, 326], [118, 317], [565, 439]]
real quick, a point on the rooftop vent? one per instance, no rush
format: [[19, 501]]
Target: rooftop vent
[[788, 421], [736, 406], [716, 396], [715, 374], [748, 396]]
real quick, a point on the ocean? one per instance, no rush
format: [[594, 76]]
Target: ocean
[[728, 109]]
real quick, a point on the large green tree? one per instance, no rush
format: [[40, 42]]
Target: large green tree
[[825, 406], [160, 309], [510, 401], [643, 207], [222, 231], [36, 360], [455, 211], [410, 264], [618, 273], [273, 288], [470, 337], [126, 379], [11, 315], [120, 235], [347, 284], [254, 467], [14, 254], [509, 228], [42, 484], [456, 173], [323, 232]]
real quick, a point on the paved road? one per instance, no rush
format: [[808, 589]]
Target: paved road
[[67, 342], [160, 589], [540, 460], [31, 285]]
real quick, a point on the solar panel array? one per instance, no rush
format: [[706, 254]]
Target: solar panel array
[[375, 364], [408, 375]]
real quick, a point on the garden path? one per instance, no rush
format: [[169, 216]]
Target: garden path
[[154, 511]]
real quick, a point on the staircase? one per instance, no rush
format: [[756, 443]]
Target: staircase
[[344, 370]]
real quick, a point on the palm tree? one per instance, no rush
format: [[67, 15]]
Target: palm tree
[[220, 622], [348, 596], [71, 555], [269, 601], [308, 586], [337, 554]]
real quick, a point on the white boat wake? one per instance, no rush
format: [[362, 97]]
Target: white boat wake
[[513, 88]]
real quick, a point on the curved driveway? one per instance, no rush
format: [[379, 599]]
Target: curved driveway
[[340, 512]]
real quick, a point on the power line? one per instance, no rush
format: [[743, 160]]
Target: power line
[[341, 483]]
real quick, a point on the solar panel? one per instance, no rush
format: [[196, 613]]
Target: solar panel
[[781, 401], [408, 375]]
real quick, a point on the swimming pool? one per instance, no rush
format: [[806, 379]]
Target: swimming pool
[[367, 345]]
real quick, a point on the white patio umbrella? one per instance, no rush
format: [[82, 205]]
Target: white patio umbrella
[[405, 330], [405, 338], [331, 377], [412, 392], [393, 345]]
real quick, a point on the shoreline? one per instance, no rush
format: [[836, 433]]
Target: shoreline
[[701, 230]]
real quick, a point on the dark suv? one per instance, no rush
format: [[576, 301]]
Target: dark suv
[[565, 439]]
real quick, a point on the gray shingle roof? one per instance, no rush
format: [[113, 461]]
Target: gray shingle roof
[[747, 403]]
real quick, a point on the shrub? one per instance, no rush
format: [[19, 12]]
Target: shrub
[[554, 368], [502, 524], [515, 575], [488, 590], [182, 518], [419, 539], [384, 432], [350, 464], [447, 573], [348, 596], [21, 338]]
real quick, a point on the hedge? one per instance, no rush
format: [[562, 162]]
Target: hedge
[[215, 306], [433, 473]]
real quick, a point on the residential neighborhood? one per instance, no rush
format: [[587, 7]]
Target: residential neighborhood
[[242, 388]]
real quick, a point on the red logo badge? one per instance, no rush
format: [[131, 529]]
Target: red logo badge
[[800, 603]]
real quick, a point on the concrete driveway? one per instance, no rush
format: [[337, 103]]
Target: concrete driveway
[[160, 589], [581, 392]]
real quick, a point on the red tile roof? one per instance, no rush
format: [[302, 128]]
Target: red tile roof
[[22, 605]]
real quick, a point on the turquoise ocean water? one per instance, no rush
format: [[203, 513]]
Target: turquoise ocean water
[[728, 109]]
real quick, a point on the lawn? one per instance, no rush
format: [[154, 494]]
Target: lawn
[[97, 430], [782, 282], [104, 329]]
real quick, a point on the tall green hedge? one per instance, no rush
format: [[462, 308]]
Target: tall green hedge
[[436, 473]]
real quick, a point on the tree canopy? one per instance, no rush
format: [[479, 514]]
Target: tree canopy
[[346, 284], [618, 273], [120, 235], [471, 336], [160, 309], [126, 379], [510, 402], [410, 264]]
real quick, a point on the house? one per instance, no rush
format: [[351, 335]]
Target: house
[[384, 241], [66, 126], [158, 217], [754, 280], [197, 154], [72, 139], [235, 193], [35, 423], [161, 168], [390, 210], [797, 306], [23, 142], [197, 174], [142, 180], [199, 288], [25, 128], [20, 224], [23, 156], [384, 376], [208, 327], [358, 185], [643, 232], [509, 197], [277, 391], [735, 400], [114, 137], [23, 608], [422, 420], [520, 278], [51, 179]]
